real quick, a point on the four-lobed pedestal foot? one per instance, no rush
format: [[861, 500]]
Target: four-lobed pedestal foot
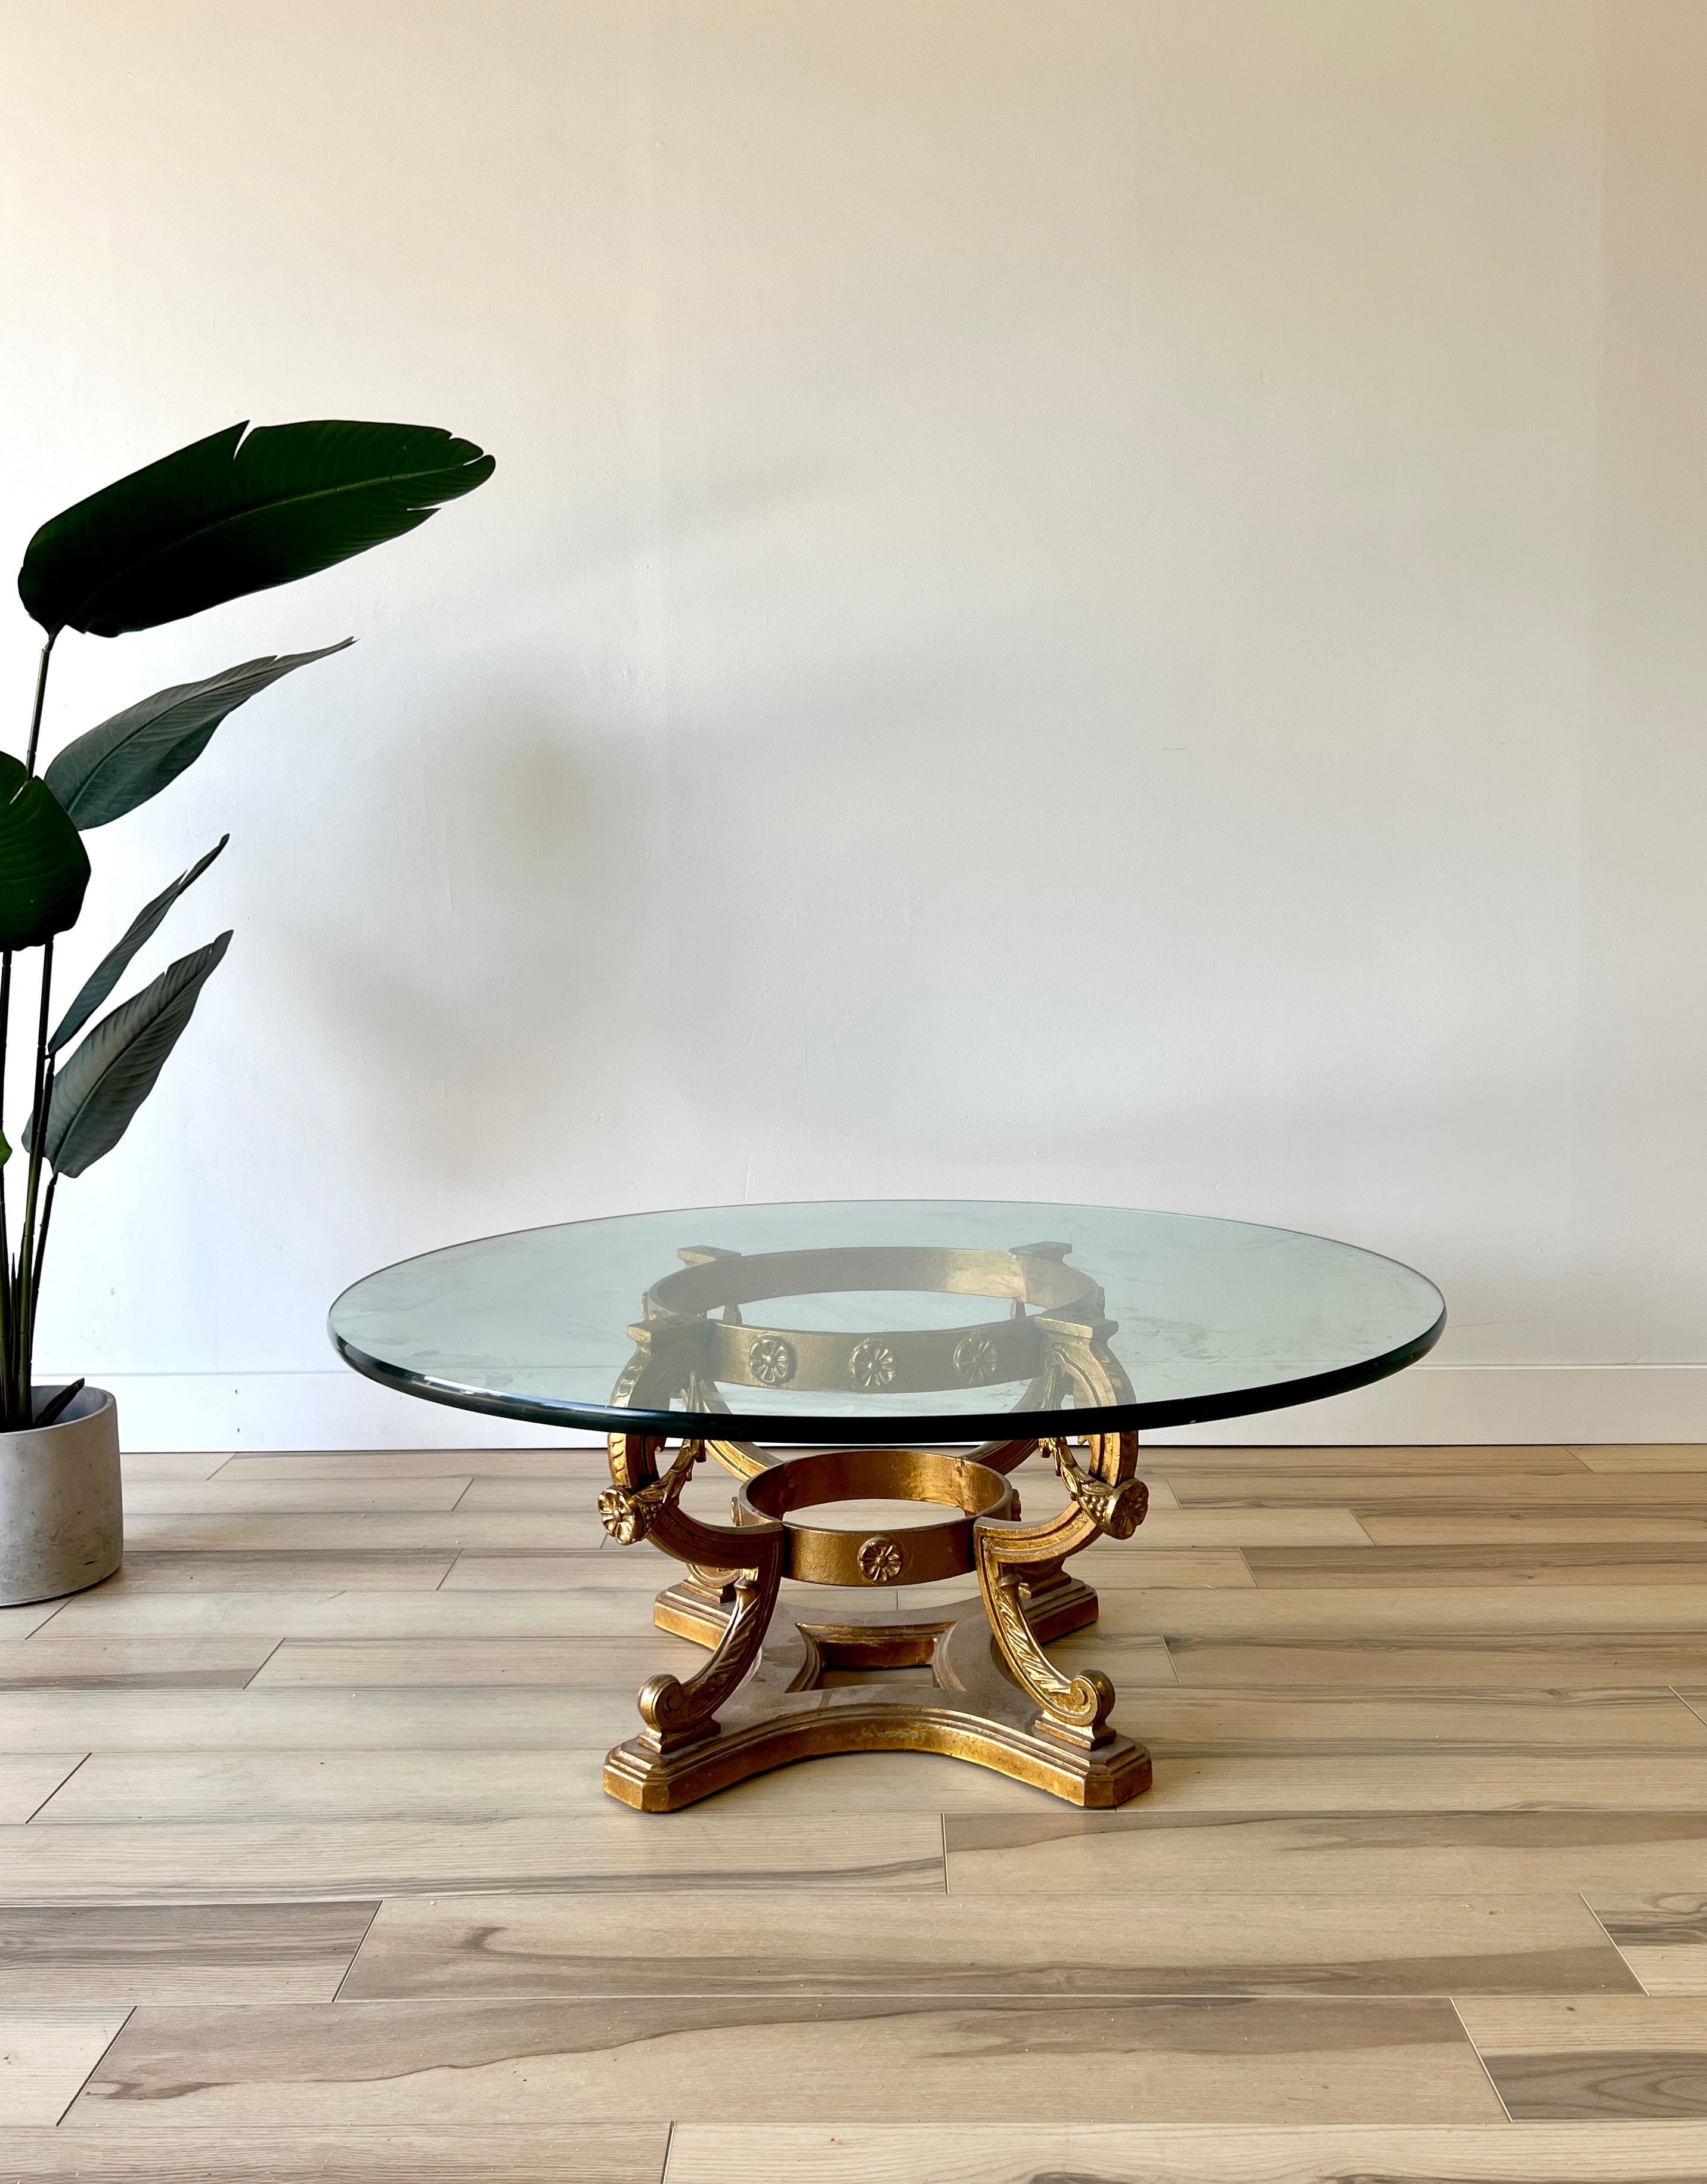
[[994, 1696], [975, 1709]]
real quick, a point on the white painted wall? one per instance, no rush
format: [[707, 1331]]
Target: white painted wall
[[1084, 601]]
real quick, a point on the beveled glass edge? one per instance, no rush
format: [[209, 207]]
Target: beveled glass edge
[[800, 1205], [896, 1431]]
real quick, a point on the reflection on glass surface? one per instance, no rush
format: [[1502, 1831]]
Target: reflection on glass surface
[[871, 1319], [697, 1346]]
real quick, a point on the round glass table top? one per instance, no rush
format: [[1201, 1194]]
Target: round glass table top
[[885, 1321]]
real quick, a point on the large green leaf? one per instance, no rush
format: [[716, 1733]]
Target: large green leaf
[[229, 515], [113, 1072], [43, 866], [112, 965], [112, 769]]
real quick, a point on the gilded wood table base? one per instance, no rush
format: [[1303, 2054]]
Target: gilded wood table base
[[779, 1713], [996, 1699]]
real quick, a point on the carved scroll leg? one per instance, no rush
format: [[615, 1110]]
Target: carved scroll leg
[[678, 1713], [700, 1602], [749, 1560], [1054, 1602], [1074, 1708]]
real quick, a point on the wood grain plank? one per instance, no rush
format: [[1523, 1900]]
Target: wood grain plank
[[493, 1784], [20, 1622], [715, 2059], [1278, 1719], [466, 1717], [613, 1664], [1466, 1780], [1136, 1663], [591, 1571], [1522, 1528], [1180, 1944], [579, 1493], [1626, 1564], [262, 1570], [135, 1788], [516, 2154], [554, 1463], [1370, 1759], [1495, 1855], [1458, 1492], [1040, 1489], [1022, 2152], [164, 1465], [1545, 2022], [239, 1861], [619, 1664], [605, 1614], [221, 1497], [53, 1663], [1643, 1456], [387, 1531], [1662, 1934], [231, 1953], [1047, 1493], [1605, 2056], [1169, 1530], [45, 2056], [1486, 1659], [28, 1778], [1546, 1611], [1176, 1461]]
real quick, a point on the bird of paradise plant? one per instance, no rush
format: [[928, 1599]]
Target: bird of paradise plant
[[240, 511]]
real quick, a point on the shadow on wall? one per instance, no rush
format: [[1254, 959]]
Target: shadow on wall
[[787, 913], [451, 1018]]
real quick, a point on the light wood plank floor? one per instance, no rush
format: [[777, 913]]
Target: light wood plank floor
[[305, 1872]]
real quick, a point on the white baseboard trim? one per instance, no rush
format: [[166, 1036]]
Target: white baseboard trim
[[1478, 1405], [267, 1411], [1430, 1405]]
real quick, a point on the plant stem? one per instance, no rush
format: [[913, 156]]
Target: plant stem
[[24, 1296], [41, 1242], [41, 692]]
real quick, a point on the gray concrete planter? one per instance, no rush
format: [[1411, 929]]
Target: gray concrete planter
[[62, 1520]]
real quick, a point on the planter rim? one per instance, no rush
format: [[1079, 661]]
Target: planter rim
[[89, 1402]]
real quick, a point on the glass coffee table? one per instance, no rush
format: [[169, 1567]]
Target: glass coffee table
[[905, 1351]]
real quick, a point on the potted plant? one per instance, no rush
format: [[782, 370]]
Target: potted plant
[[238, 512]]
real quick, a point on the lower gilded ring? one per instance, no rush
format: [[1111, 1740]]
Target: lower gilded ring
[[919, 1554]]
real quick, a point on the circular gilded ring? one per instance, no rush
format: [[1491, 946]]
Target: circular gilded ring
[[828, 1554]]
